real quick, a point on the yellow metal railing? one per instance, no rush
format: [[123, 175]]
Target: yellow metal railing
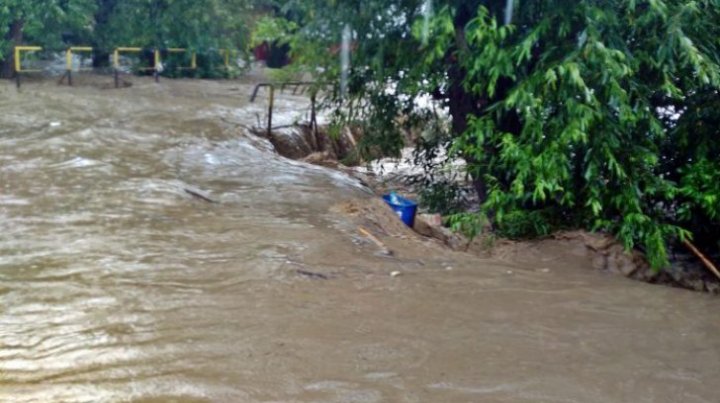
[[18, 61], [157, 61], [225, 54], [69, 55], [18, 58], [156, 57], [116, 61], [118, 51]]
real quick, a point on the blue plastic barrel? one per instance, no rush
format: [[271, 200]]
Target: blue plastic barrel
[[404, 208]]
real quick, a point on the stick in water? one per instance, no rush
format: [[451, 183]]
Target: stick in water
[[704, 259], [385, 249], [199, 196]]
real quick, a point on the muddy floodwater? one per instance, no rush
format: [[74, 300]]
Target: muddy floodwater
[[117, 285]]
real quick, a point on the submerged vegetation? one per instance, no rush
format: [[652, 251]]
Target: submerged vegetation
[[602, 115]]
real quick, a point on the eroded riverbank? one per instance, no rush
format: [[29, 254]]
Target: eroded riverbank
[[117, 285]]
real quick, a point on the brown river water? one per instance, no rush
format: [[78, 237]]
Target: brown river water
[[116, 285]]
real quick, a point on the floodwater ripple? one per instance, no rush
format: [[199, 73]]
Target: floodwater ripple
[[117, 284]]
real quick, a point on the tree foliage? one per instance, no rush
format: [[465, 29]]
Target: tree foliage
[[43, 21], [46, 20], [206, 25], [181, 23], [585, 113]]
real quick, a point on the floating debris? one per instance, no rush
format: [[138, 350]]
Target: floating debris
[[312, 275], [199, 196], [383, 249]]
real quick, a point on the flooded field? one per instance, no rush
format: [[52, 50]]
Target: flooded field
[[119, 285]]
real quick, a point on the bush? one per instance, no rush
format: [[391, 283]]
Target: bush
[[445, 197], [600, 114]]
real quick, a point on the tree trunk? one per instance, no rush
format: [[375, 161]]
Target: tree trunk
[[15, 37], [462, 104], [101, 55]]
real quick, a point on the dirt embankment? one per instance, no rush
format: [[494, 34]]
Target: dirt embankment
[[579, 249], [314, 145], [587, 250]]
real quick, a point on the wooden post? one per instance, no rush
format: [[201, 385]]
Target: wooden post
[[313, 121], [271, 106], [68, 65]]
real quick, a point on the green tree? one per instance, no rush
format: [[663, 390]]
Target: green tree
[[178, 23], [106, 24], [42, 22], [101, 36], [585, 113]]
